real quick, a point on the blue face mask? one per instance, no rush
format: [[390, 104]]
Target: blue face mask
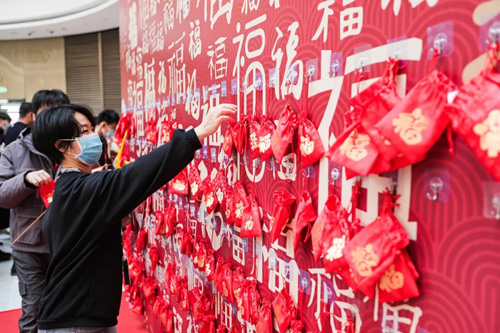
[[110, 133], [91, 147], [6, 127]]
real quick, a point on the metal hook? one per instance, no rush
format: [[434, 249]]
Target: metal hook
[[496, 206], [335, 68], [436, 185], [494, 32], [272, 80], [311, 70], [244, 85], [335, 174], [361, 64], [439, 43], [304, 283]]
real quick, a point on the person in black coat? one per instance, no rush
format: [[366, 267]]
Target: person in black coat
[[26, 119], [83, 222]]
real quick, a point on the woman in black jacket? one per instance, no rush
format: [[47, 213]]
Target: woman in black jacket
[[82, 224]]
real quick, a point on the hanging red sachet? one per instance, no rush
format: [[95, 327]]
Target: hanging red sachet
[[195, 182], [415, 124], [284, 310], [253, 132], [179, 185], [210, 197], [265, 134], [240, 201], [304, 217], [283, 135], [220, 185], [265, 322], [227, 144], [283, 202], [141, 240], [240, 134], [167, 131], [251, 225], [151, 132]]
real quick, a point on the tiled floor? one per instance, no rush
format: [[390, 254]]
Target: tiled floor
[[9, 292]]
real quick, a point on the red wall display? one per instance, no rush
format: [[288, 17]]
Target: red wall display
[[180, 57]]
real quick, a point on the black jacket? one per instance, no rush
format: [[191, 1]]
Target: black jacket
[[14, 132], [82, 226]]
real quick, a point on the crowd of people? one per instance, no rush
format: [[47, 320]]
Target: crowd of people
[[70, 265], [22, 170]]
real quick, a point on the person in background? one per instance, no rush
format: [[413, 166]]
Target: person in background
[[4, 125], [26, 119], [22, 170], [107, 121], [84, 280]]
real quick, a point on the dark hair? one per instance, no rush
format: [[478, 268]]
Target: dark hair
[[4, 116], [48, 98], [108, 116], [86, 111], [24, 109], [54, 124]]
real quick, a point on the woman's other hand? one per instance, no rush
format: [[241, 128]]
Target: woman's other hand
[[213, 119]]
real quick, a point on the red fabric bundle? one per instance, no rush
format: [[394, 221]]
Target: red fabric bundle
[[311, 147], [416, 123], [229, 210], [240, 200], [371, 251], [149, 289], [167, 131], [227, 144], [226, 282], [167, 318], [170, 274], [251, 222], [253, 130], [138, 306], [222, 328], [153, 255], [240, 134], [202, 256], [296, 326], [210, 197], [475, 115], [179, 185], [265, 134], [399, 281], [201, 304], [252, 301], [142, 238], [210, 265], [238, 284], [283, 135], [284, 310], [265, 322], [187, 243], [184, 299], [159, 303], [124, 125], [281, 214], [208, 324], [218, 274], [160, 223], [195, 182], [47, 192], [151, 132], [136, 267], [169, 220], [304, 217], [220, 185]]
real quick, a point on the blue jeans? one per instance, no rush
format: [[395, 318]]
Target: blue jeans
[[81, 330]]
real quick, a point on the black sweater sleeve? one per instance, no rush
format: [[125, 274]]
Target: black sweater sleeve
[[118, 192]]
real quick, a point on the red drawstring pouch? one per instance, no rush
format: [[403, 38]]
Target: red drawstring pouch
[[169, 220], [124, 124], [196, 247], [251, 221], [195, 182], [227, 144], [218, 274], [238, 283], [221, 328], [355, 150], [149, 289], [169, 274], [415, 124], [154, 257], [242, 302], [399, 281], [210, 197], [138, 307], [284, 310], [164, 316], [296, 326], [184, 300], [179, 185], [240, 200], [208, 324], [47, 192], [151, 132], [240, 134], [220, 185], [253, 302], [160, 223], [229, 210], [311, 147], [187, 243], [136, 267], [328, 213], [210, 265], [142, 238], [265, 134], [265, 322], [283, 135], [283, 202], [167, 131], [226, 279], [202, 253], [253, 131], [157, 306], [475, 115], [304, 217], [371, 251]]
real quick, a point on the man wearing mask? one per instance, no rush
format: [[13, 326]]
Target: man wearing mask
[[4, 125], [107, 121], [26, 119], [22, 170]]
